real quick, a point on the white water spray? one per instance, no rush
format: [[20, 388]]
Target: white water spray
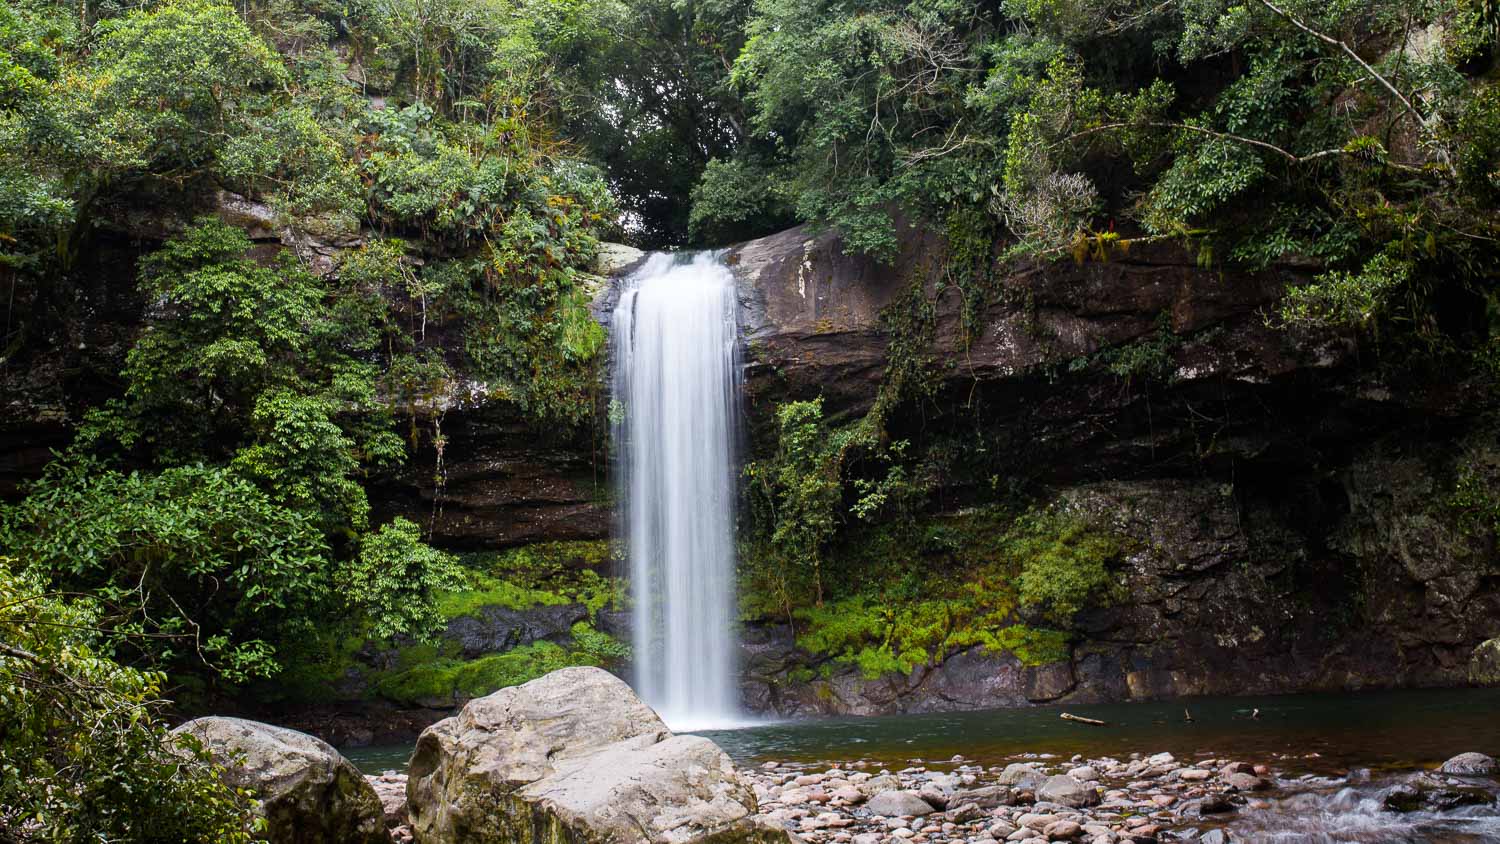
[[677, 383]]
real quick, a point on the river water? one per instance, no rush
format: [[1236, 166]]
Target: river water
[[1323, 734], [1301, 734]]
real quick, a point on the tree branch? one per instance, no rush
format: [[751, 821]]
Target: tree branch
[[19, 653], [1427, 123], [1162, 124]]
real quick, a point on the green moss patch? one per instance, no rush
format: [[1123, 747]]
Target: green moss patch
[[443, 680], [538, 574], [913, 594], [483, 590]]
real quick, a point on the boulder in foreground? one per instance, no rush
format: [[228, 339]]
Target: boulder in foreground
[[309, 793], [575, 756]]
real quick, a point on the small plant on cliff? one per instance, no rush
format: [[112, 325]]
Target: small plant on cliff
[[1063, 563], [1473, 497], [802, 495]]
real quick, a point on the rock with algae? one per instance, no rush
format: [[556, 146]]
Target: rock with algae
[[309, 793], [1484, 663]]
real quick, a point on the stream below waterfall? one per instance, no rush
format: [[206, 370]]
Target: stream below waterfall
[[1334, 754]]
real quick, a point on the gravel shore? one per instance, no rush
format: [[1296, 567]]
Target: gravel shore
[[1101, 801]]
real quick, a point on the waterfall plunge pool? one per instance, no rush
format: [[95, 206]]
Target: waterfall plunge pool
[[1321, 734]]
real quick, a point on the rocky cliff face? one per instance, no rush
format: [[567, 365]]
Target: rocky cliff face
[[1290, 498], [498, 484]]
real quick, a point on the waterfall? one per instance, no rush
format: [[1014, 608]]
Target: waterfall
[[675, 410]]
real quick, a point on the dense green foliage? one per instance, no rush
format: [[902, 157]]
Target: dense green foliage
[[1082, 127], [219, 503], [215, 513], [399, 669], [84, 755], [198, 560]]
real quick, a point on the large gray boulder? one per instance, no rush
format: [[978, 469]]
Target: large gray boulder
[[575, 756], [309, 793]]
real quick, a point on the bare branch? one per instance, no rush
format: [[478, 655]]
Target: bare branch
[[1160, 124], [19, 653], [1428, 123]]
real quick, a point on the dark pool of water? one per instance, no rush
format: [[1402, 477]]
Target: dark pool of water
[[1322, 733], [1313, 733]]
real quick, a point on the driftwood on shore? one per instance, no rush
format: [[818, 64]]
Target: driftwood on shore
[[1080, 719]]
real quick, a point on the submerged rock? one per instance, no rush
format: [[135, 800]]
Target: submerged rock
[[309, 793], [1470, 765], [575, 756], [1425, 791]]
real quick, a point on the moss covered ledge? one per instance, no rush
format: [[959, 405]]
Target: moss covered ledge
[[520, 614]]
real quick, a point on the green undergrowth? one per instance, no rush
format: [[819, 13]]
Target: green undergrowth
[[911, 594], [442, 680], [337, 664], [543, 573]]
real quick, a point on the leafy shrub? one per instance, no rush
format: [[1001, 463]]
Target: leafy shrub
[[394, 580], [1063, 563], [801, 496], [84, 755], [199, 559]]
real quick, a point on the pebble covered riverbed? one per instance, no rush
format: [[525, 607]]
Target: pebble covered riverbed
[[1103, 801], [1106, 800]]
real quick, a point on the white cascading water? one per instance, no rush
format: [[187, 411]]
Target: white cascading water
[[677, 388]]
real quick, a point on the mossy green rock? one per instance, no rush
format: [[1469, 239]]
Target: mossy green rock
[[1484, 664], [575, 757], [309, 793]]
